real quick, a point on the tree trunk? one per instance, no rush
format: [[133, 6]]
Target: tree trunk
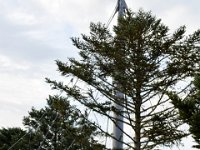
[[138, 122]]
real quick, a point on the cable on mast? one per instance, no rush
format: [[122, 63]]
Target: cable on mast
[[120, 8], [113, 15]]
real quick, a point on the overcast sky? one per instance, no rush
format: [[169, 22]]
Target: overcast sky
[[34, 33]]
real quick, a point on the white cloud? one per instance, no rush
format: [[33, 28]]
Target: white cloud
[[22, 18], [7, 64], [18, 94], [173, 13]]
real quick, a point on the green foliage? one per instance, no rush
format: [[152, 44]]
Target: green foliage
[[189, 110], [143, 61], [58, 126], [9, 136], [17, 138], [62, 126]]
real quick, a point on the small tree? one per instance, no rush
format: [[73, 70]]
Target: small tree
[[144, 62], [61, 126], [189, 110], [58, 126]]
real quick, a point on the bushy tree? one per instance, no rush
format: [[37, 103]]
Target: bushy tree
[[189, 110], [61, 126], [143, 60], [58, 126]]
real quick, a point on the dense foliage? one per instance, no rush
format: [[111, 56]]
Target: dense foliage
[[62, 126], [9, 136], [58, 126]]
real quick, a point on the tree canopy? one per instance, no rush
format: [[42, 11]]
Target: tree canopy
[[58, 126], [62, 126], [143, 60], [9, 136]]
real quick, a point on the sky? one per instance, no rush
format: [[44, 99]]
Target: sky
[[35, 33]]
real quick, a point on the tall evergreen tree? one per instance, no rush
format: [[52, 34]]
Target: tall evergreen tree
[[144, 61]]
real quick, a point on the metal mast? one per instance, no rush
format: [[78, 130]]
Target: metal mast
[[118, 127], [121, 7]]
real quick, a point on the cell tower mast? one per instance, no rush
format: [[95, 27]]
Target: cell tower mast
[[118, 126]]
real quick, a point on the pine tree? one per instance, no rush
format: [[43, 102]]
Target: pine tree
[[143, 60], [61, 126], [58, 126]]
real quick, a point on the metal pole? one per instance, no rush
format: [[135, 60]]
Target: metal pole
[[118, 127]]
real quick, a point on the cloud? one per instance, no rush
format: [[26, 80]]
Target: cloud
[[173, 13], [18, 94], [40, 30], [9, 66], [34, 33]]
